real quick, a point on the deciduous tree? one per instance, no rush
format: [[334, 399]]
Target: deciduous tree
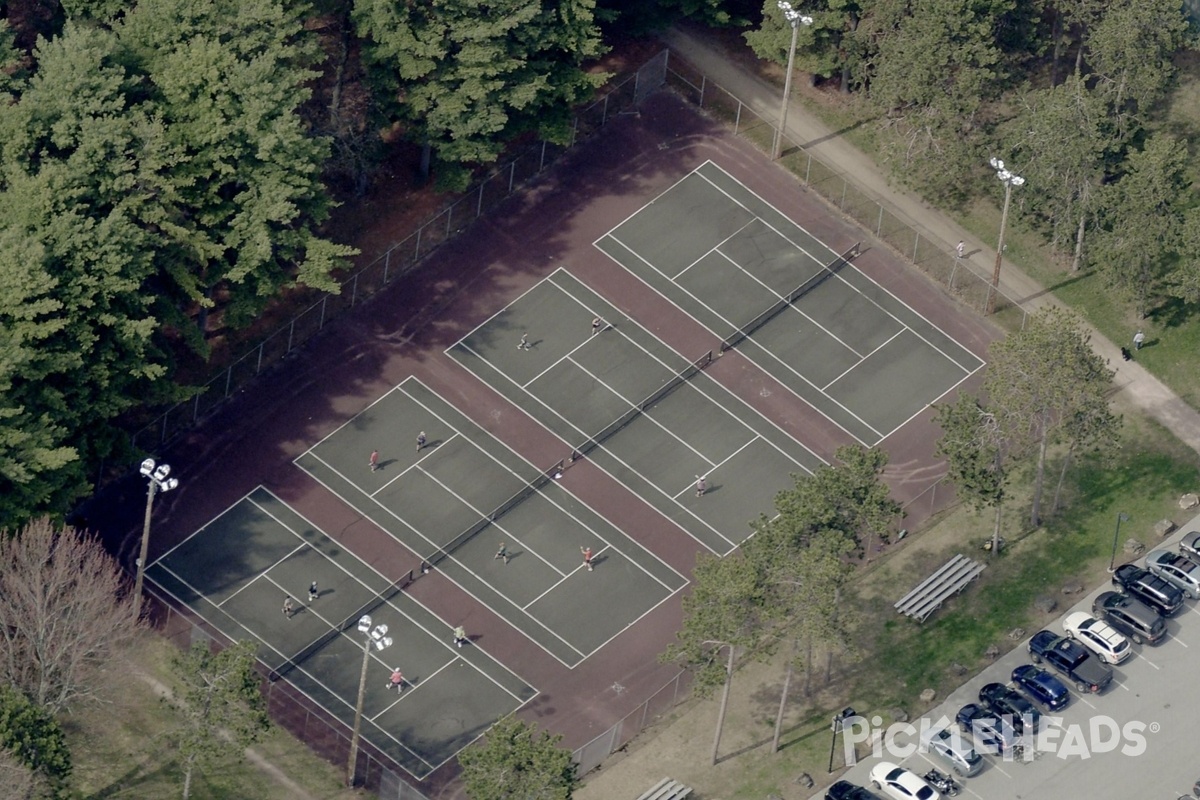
[[517, 762], [65, 613], [221, 704], [974, 447]]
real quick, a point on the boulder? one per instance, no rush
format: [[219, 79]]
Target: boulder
[[928, 696], [1072, 588], [1016, 634], [1189, 501], [1164, 527], [805, 780], [992, 652], [1134, 547], [958, 669], [898, 714], [1045, 604]]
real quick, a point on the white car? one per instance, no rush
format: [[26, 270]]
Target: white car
[[901, 784], [1097, 636], [1177, 569]]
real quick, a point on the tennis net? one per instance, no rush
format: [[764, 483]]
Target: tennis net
[[317, 644], [824, 274], [508, 505], [673, 383]]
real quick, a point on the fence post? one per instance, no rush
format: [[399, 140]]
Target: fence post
[[478, 201], [321, 322], [258, 362], [228, 378], [808, 169], [195, 412], [291, 332], [953, 270], [703, 84], [387, 261], [879, 225], [354, 290], [604, 111], [417, 252], [842, 205], [737, 120], [542, 158], [512, 172], [916, 243]]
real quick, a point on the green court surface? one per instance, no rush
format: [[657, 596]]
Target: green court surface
[[458, 499], [845, 345], [637, 409], [235, 573]]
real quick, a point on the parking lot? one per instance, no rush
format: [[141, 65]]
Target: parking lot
[[1134, 740]]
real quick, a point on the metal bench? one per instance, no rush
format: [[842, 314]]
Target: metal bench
[[667, 789], [950, 579]]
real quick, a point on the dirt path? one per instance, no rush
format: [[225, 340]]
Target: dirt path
[[681, 750]]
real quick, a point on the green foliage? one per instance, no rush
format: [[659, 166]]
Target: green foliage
[[37, 741], [221, 704], [973, 448], [516, 762], [1142, 222], [465, 84]]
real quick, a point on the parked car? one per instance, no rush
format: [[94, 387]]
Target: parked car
[[1005, 701], [901, 784], [1070, 659], [845, 790], [1189, 545], [1041, 687], [1130, 616], [1176, 569], [951, 746], [1163, 597], [991, 733], [1098, 636]]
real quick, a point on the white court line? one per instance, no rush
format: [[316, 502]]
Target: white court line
[[724, 461], [716, 248], [612, 455], [481, 514], [338, 429], [541, 493], [562, 580], [296, 667], [450, 556], [203, 527], [454, 435], [658, 424], [488, 321], [882, 288], [884, 344], [416, 687]]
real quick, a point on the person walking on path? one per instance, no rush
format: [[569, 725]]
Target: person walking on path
[[313, 592], [460, 635], [597, 324], [587, 557], [421, 441], [960, 250], [1138, 339], [701, 485], [373, 461], [524, 343], [289, 608], [397, 680], [501, 554]]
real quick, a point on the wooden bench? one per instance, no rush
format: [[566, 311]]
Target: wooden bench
[[950, 579], [667, 789]]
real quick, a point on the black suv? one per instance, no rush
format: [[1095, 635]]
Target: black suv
[[1070, 659], [991, 733], [1008, 702], [844, 790], [1130, 616], [1158, 593]]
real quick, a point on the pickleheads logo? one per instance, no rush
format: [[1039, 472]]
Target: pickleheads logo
[[995, 735]]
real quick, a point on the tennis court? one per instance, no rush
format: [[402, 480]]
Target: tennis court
[[623, 399], [235, 572], [782, 298], [456, 500]]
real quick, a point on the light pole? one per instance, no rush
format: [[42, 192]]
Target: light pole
[[796, 19], [1009, 179], [1112, 562], [378, 637], [839, 721], [157, 476]]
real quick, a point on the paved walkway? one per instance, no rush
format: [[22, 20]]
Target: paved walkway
[[1136, 386]]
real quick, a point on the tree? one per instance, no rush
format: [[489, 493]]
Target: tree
[[221, 704], [848, 496], [34, 759], [825, 48], [65, 613], [727, 609], [464, 84], [1061, 140], [516, 762], [1040, 378], [1143, 220], [974, 448]]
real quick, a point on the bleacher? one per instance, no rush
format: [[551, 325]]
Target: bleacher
[[949, 580], [667, 789]]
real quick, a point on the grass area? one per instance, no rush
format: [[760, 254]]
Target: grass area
[[121, 749]]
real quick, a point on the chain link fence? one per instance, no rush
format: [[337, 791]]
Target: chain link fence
[[289, 708], [653, 710], [889, 225], [401, 258]]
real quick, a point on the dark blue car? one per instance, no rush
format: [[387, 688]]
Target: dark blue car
[[1042, 687]]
